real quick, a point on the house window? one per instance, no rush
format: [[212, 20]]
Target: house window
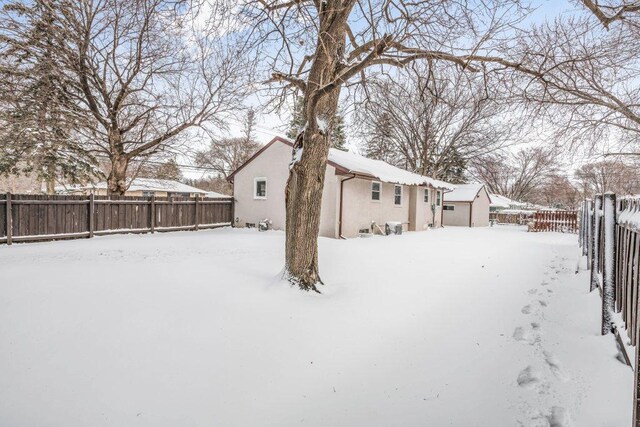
[[148, 193], [260, 188], [438, 198], [397, 195], [426, 195], [375, 191], [448, 208]]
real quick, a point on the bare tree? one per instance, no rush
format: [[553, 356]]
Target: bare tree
[[319, 47], [517, 175], [609, 175], [557, 191], [433, 123], [145, 73], [582, 77], [612, 11], [225, 155]]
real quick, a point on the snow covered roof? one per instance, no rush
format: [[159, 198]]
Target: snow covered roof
[[349, 162], [499, 201], [463, 193], [214, 194], [143, 184], [355, 163]]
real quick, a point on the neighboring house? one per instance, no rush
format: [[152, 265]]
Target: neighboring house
[[145, 187], [359, 193], [213, 194], [467, 206], [500, 203]]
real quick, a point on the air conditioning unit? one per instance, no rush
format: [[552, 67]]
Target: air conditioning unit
[[393, 228], [264, 225]]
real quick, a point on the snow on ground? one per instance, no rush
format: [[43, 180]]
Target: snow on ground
[[457, 326]]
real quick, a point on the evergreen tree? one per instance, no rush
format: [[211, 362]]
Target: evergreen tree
[[338, 135], [38, 115], [455, 168], [379, 144], [297, 120], [249, 125], [169, 170]]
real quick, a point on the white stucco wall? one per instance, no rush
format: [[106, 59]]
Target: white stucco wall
[[273, 164], [423, 214], [480, 214], [359, 210]]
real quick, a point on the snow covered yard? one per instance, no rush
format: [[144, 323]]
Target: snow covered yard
[[457, 326]]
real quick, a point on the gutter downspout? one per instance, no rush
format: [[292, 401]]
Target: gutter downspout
[[341, 203], [470, 213]]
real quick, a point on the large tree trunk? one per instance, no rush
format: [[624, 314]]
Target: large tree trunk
[[306, 177], [117, 179], [303, 204]]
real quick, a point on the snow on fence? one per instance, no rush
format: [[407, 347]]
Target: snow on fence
[[562, 221], [610, 238], [29, 218]]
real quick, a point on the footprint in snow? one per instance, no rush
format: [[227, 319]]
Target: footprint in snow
[[554, 365], [544, 283], [542, 303], [533, 291], [523, 335], [526, 309], [559, 417], [528, 377], [531, 379]]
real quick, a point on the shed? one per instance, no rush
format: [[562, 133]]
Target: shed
[[466, 206]]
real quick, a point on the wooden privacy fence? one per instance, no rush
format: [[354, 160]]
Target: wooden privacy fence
[[519, 218], [29, 218], [610, 238], [562, 221]]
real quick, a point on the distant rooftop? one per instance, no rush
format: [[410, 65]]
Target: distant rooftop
[[144, 184]]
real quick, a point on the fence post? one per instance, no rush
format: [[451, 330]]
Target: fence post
[[608, 265], [589, 232], [636, 385], [595, 224], [152, 214], [91, 214], [583, 228], [9, 219], [196, 212]]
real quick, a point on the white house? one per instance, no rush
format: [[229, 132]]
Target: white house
[[145, 187], [359, 193], [467, 206], [500, 203]]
